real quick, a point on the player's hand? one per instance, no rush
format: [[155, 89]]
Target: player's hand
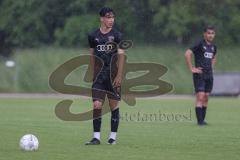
[[196, 70], [117, 81]]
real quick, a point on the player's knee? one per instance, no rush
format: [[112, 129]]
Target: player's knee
[[206, 98], [201, 99], [97, 104], [113, 106]]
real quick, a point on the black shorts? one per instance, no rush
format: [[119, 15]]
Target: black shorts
[[102, 86], [203, 83]]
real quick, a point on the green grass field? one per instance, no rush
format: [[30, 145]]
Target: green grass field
[[152, 139]]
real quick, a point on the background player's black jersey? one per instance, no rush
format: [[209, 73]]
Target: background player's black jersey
[[99, 42], [203, 55]]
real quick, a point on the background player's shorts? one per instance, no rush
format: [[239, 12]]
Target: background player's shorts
[[202, 83], [102, 86]]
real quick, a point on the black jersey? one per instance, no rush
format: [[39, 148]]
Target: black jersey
[[203, 55], [102, 50]]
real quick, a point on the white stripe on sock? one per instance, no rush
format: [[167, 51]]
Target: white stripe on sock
[[96, 135], [113, 135]]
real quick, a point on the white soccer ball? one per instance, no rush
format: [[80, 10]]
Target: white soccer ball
[[29, 142]]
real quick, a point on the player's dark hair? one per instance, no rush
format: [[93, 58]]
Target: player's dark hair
[[208, 27], [105, 10]]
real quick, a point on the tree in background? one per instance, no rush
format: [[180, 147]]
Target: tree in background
[[31, 23]]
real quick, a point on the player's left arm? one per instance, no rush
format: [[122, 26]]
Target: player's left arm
[[214, 60], [120, 63]]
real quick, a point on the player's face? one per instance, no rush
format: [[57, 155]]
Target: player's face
[[209, 35], [108, 20]]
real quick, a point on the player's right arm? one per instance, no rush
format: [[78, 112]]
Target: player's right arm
[[91, 50], [188, 57], [92, 58]]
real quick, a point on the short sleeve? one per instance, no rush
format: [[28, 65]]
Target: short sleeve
[[118, 37], [91, 41], [194, 48], [215, 50]]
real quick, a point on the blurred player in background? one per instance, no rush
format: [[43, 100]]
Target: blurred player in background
[[107, 64], [205, 58]]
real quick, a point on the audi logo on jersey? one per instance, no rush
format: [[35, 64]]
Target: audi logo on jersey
[[111, 47], [208, 55], [105, 48]]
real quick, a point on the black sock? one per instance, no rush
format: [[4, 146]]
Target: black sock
[[199, 114], [97, 120], [115, 120], [204, 110]]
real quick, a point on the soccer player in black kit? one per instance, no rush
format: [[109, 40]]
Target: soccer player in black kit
[[205, 58], [107, 64]]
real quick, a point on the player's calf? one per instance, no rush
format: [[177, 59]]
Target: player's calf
[[198, 109], [114, 125], [204, 107], [97, 119]]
